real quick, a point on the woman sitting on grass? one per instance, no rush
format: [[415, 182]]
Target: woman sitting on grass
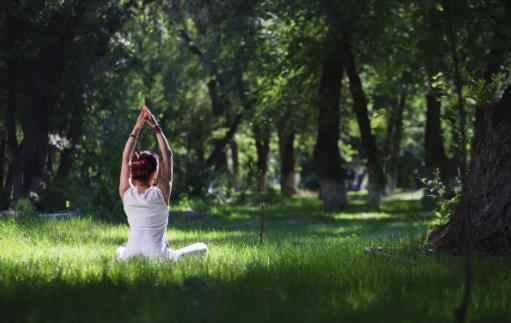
[[146, 204]]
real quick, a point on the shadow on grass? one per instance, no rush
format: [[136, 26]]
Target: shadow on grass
[[305, 216], [322, 286]]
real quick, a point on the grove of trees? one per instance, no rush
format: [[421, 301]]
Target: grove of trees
[[311, 95]]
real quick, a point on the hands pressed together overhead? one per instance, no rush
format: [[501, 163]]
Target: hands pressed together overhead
[[145, 116]]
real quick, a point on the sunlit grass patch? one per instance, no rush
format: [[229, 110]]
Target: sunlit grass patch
[[311, 267]]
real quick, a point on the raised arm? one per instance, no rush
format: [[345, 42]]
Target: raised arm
[[166, 167], [129, 147]]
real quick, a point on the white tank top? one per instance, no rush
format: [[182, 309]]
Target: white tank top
[[148, 216]]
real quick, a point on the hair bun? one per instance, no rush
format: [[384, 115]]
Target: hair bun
[[139, 162], [143, 163]]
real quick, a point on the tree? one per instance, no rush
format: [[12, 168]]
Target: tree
[[65, 42], [327, 158], [487, 186], [376, 176]]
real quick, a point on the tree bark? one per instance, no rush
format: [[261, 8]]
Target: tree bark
[[374, 170], [327, 157], [287, 162], [488, 192], [488, 182], [392, 172]]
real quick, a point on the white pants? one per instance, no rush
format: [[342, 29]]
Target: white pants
[[196, 249]]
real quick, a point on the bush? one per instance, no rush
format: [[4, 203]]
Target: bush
[[440, 197], [25, 209]]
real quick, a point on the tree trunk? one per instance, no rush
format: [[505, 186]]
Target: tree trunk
[[287, 162], [387, 148], [435, 157], [235, 165], [488, 182], [74, 133], [392, 171], [34, 149], [262, 140], [37, 107], [14, 176], [219, 107], [6, 192], [488, 192], [434, 141], [327, 157], [375, 172]]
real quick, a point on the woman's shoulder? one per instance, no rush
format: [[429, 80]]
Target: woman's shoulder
[[159, 193], [127, 192]]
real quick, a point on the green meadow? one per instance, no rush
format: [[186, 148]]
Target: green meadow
[[312, 266]]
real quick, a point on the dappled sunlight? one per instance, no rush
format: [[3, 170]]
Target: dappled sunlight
[[364, 215], [405, 195], [316, 251]]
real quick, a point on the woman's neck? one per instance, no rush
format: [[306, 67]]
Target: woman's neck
[[141, 187]]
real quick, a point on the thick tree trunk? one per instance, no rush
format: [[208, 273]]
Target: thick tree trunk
[[37, 107], [488, 191], [392, 171], [235, 165], [327, 157], [375, 171], [488, 182], [34, 149], [287, 162]]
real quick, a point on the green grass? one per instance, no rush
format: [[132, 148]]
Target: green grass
[[310, 268]]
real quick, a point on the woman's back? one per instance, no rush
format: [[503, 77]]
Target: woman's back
[[148, 217]]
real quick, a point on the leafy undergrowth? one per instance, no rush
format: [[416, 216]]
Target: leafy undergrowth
[[311, 267]]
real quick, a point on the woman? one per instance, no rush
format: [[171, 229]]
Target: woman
[[146, 204]]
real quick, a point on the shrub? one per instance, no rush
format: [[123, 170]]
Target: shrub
[[443, 198]]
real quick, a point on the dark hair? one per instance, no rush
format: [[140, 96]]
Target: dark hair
[[143, 164]]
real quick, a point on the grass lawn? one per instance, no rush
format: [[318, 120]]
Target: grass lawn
[[311, 267]]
